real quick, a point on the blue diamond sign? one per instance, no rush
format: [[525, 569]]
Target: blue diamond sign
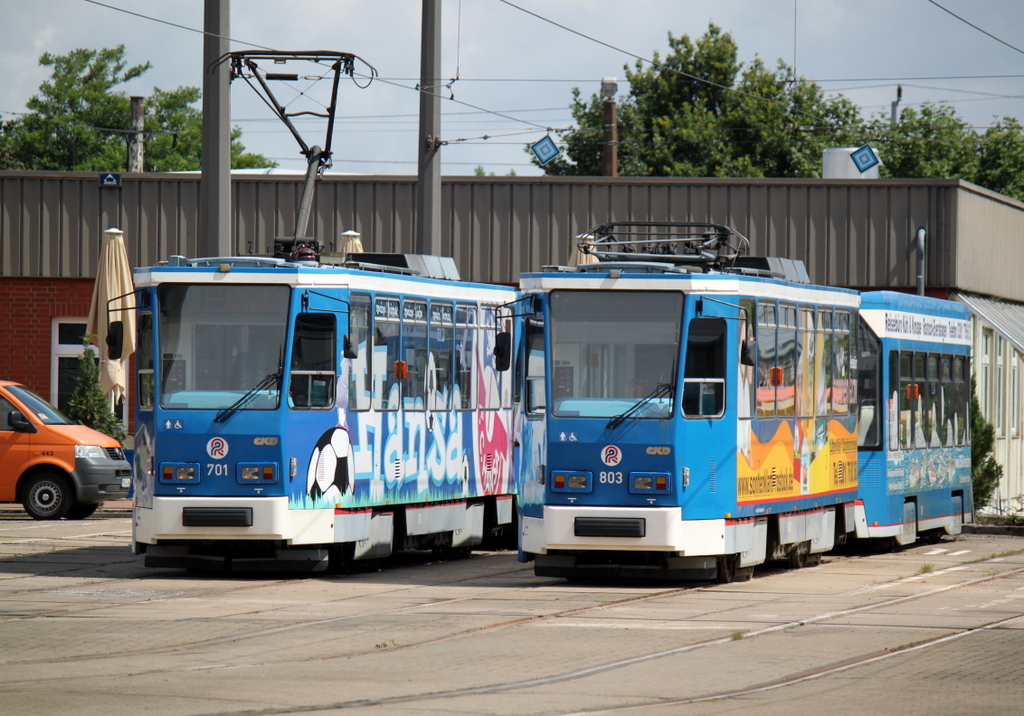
[[545, 150], [865, 158]]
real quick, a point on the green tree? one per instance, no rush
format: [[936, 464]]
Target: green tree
[[1001, 160], [701, 112], [985, 471], [79, 121], [88, 405], [932, 142]]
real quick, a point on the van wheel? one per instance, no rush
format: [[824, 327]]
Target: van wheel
[[81, 510], [47, 497]]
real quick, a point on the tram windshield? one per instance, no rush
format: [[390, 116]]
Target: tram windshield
[[220, 343], [614, 351]]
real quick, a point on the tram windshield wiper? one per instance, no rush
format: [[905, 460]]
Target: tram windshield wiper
[[249, 395], [661, 390]]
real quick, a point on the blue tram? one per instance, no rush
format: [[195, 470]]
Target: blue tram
[[690, 412], [914, 433], [293, 414]]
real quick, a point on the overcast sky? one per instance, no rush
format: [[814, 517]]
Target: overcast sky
[[522, 67]]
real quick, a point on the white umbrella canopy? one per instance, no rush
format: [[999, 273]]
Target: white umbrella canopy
[[351, 242], [579, 257], [113, 281]]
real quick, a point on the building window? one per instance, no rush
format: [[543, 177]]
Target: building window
[[67, 335], [986, 366], [66, 348], [1000, 400], [1014, 395]]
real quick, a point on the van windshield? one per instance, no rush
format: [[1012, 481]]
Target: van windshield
[[46, 413]]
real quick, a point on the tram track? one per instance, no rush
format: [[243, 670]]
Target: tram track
[[494, 622], [578, 674]]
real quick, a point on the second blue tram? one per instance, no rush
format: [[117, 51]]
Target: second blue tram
[[689, 412]]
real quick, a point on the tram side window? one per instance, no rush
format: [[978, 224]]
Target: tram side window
[[843, 392], [746, 360], [945, 403], [785, 393], [904, 390], [313, 369], [144, 361], [823, 366], [869, 374], [923, 431], [930, 405], [465, 355], [387, 335], [360, 376], [414, 354], [489, 395], [805, 400], [766, 355], [704, 377], [536, 401], [440, 363], [963, 400]]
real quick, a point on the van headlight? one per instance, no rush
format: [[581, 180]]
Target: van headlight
[[85, 451]]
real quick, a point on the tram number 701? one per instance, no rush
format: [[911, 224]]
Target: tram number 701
[[217, 468], [610, 478]]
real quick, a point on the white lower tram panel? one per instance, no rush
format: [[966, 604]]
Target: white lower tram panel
[[210, 532], [668, 546]]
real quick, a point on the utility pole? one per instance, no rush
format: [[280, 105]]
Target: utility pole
[[215, 188], [137, 138], [609, 86], [428, 184], [899, 96]]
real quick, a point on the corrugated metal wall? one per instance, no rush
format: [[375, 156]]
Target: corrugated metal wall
[[849, 232]]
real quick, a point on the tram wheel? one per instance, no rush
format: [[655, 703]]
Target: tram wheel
[[798, 554], [729, 570], [340, 558]]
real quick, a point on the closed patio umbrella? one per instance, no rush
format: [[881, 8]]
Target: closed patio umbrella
[[351, 242], [113, 281]]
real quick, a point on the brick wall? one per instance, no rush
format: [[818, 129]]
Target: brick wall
[[27, 307], [29, 304]]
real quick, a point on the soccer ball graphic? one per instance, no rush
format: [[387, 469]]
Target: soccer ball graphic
[[330, 471]]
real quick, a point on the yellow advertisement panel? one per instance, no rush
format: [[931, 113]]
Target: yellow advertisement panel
[[810, 463]]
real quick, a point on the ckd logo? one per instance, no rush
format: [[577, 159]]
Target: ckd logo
[[217, 448], [611, 455]]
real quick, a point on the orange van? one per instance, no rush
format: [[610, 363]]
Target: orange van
[[52, 466]]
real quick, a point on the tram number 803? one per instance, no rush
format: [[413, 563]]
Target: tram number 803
[[610, 478]]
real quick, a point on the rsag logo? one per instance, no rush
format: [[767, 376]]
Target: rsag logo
[[217, 448], [611, 455]]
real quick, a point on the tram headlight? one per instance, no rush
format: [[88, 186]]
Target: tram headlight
[[564, 481], [252, 473], [179, 472], [643, 482], [649, 482]]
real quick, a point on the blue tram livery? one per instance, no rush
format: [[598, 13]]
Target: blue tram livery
[[914, 433], [690, 412], [298, 415]]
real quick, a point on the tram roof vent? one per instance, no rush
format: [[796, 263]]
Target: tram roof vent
[[418, 264], [774, 266]]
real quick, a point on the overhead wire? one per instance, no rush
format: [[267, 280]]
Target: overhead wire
[[979, 29]]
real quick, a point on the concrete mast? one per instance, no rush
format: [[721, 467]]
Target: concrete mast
[[215, 189]]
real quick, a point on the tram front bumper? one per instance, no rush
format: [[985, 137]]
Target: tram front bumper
[[269, 518], [643, 529]]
